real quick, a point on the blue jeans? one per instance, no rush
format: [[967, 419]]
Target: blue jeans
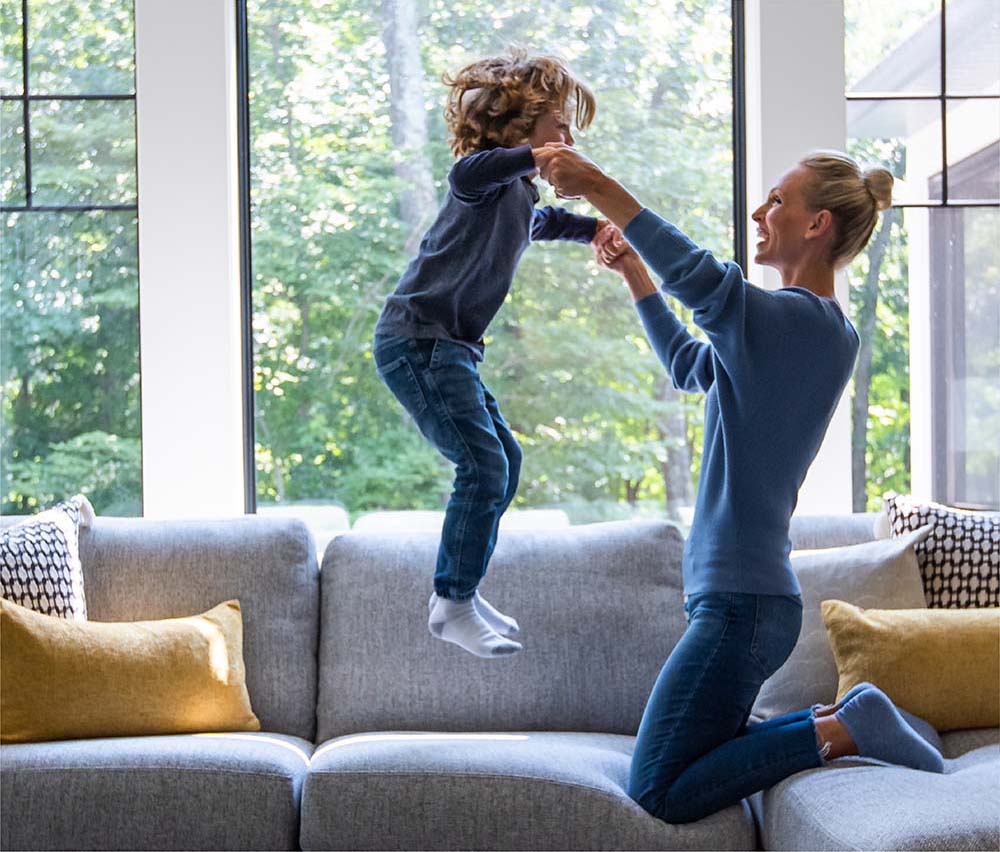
[[695, 753], [438, 383]]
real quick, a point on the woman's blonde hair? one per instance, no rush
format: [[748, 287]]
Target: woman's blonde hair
[[495, 102], [853, 196]]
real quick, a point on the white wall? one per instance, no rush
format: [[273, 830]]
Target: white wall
[[795, 103], [189, 307]]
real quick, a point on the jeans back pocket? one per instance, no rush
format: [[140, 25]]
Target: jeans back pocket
[[399, 377]]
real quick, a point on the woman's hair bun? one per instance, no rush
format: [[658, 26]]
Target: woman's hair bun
[[879, 183]]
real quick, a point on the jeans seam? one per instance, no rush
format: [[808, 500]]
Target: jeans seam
[[705, 792], [753, 639], [428, 377], [730, 613]]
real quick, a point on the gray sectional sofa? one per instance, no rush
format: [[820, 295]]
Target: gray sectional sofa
[[374, 736]]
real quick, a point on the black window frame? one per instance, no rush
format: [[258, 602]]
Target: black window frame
[[947, 284], [26, 98], [738, 54]]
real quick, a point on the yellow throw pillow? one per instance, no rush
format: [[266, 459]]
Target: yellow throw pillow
[[64, 679], [940, 664]]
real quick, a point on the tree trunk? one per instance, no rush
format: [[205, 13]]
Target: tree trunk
[[676, 470], [417, 201], [863, 374]]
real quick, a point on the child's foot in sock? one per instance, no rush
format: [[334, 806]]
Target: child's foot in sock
[[879, 731], [502, 624], [460, 623], [925, 729]]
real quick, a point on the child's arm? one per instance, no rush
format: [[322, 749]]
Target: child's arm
[[557, 223], [476, 176]]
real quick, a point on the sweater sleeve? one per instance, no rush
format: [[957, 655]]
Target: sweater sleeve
[[557, 223], [478, 175], [715, 292], [688, 361]]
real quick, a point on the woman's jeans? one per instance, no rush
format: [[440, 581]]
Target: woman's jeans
[[695, 753], [438, 383]]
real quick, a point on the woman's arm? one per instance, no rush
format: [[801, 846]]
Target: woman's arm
[[575, 176], [716, 292], [688, 361]]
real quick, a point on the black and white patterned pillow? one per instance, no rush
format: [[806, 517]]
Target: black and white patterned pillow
[[960, 559], [40, 560]]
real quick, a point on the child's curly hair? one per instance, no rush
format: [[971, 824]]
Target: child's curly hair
[[495, 102]]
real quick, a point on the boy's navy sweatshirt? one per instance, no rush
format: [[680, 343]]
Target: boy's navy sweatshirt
[[460, 277], [773, 370]]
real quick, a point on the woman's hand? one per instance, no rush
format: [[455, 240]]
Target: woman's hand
[[574, 176], [608, 243], [569, 171], [627, 263]]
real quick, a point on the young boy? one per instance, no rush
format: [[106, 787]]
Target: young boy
[[501, 113]]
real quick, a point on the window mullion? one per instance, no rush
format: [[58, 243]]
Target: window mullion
[[26, 112]]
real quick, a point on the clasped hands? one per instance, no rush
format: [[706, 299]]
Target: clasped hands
[[571, 174]]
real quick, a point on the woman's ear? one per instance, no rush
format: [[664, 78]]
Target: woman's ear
[[821, 225]]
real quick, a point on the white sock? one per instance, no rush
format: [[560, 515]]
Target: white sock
[[502, 624], [460, 623]]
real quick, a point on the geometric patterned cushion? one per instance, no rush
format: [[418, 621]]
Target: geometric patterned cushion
[[960, 559], [40, 560]]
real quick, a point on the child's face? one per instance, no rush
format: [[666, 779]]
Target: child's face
[[550, 127]]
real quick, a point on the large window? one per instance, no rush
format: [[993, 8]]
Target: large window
[[348, 166], [924, 100], [69, 375]]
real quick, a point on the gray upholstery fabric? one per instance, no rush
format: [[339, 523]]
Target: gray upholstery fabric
[[135, 569], [877, 574], [210, 791], [957, 743], [814, 532], [491, 791], [860, 804], [600, 607]]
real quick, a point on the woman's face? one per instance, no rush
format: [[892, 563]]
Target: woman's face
[[551, 126], [783, 222]]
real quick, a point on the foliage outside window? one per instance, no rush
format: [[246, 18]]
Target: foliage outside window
[[69, 365], [348, 166]]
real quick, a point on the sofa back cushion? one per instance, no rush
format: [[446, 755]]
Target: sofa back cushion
[[817, 532], [138, 570], [600, 607]]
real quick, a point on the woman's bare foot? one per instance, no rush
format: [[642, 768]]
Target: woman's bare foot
[[833, 739]]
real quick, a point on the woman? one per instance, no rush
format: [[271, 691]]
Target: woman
[[773, 369]]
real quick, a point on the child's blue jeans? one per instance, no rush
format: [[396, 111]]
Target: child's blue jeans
[[695, 754], [438, 383]]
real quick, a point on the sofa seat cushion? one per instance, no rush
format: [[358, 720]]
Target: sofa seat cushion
[[864, 804], [197, 791], [491, 791]]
